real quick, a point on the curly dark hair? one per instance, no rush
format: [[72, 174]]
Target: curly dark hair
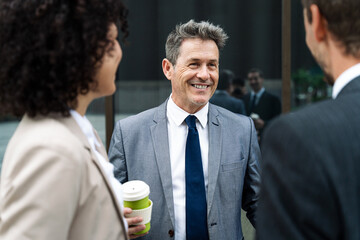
[[50, 51], [343, 21]]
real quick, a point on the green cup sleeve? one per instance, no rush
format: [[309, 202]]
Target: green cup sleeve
[[144, 213]]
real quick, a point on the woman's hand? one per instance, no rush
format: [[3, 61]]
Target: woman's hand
[[134, 228]]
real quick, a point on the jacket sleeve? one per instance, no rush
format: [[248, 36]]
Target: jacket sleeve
[[117, 154], [252, 178]]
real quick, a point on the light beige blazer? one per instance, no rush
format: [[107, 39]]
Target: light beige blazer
[[53, 187]]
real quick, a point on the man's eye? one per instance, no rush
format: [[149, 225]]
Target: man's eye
[[193, 64]]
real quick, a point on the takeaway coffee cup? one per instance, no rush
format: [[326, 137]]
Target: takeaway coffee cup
[[136, 197]]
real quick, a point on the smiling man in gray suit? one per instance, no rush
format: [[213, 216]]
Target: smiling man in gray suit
[[153, 146], [311, 158]]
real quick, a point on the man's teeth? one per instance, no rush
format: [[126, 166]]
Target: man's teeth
[[200, 86]]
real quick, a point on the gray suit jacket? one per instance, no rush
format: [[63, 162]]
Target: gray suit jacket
[[139, 149], [311, 172]]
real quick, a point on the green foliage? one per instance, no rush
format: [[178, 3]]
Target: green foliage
[[309, 85]]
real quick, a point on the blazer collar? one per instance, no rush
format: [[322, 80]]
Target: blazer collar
[[215, 145], [159, 135]]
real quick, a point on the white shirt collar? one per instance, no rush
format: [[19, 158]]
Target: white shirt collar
[[345, 78], [258, 94], [86, 127], [178, 115]]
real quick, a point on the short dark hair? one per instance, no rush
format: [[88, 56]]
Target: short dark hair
[[203, 30], [50, 51], [257, 70], [343, 21], [225, 79]]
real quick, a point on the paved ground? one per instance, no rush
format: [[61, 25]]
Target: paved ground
[[98, 121]]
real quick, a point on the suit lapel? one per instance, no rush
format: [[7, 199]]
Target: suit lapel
[[74, 128], [159, 135], [215, 145]]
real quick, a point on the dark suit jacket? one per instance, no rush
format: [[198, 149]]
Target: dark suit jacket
[[223, 99], [311, 172], [268, 106], [139, 149]]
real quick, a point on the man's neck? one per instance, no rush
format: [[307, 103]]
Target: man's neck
[[262, 89], [342, 67], [339, 61]]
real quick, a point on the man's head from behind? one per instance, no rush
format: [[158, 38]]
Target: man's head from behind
[[256, 79], [338, 20], [226, 77], [192, 63], [238, 88]]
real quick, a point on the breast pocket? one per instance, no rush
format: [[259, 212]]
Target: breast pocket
[[232, 166], [230, 182]]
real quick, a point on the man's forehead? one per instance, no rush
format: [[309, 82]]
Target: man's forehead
[[253, 73], [197, 59]]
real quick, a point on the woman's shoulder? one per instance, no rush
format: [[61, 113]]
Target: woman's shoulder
[[47, 133]]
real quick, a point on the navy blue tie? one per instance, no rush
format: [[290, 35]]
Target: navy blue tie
[[252, 104], [196, 215]]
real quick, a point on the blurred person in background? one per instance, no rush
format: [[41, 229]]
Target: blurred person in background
[[238, 88], [260, 105], [222, 95]]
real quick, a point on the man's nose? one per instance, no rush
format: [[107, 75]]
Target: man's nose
[[203, 73]]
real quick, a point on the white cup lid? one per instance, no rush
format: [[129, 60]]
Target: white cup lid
[[135, 190]]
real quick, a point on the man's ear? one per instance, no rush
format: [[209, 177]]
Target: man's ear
[[319, 23], [168, 68]]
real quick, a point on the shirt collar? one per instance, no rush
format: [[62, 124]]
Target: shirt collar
[[220, 92], [178, 115], [85, 126], [345, 78], [258, 94]]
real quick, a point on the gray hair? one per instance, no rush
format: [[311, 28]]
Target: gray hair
[[191, 29]]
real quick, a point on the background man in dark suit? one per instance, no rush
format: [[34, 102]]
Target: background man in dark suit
[[261, 105], [222, 95], [311, 158]]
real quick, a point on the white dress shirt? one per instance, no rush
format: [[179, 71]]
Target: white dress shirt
[[107, 167], [345, 78], [258, 95], [177, 134]]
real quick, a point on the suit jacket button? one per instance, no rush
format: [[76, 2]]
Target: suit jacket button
[[171, 233]]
